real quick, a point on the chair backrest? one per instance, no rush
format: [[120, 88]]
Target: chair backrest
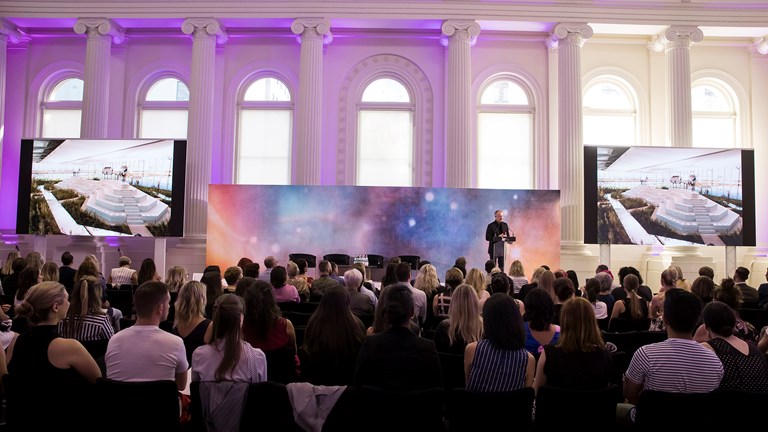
[[121, 299], [469, 411], [452, 366], [311, 259], [756, 317], [619, 325], [268, 408], [45, 406], [413, 260], [375, 261], [297, 318], [418, 410], [339, 259], [281, 365], [565, 408], [148, 405], [96, 348], [689, 410]]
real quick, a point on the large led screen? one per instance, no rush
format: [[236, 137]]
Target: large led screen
[[669, 196], [102, 187]]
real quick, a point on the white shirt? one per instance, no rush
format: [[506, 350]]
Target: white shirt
[[145, 353], [251, 368]]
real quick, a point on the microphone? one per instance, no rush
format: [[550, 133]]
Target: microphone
[[17, 247], [118, 250]]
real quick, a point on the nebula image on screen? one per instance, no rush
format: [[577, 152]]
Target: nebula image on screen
[[436, 224]]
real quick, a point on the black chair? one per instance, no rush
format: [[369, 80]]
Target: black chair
[[298, 319], [288, 306], [33, 405], [96, 348], [375, 261], [126, 322], [300, 332], [121, 299], [620, 325], [692, 411], [148, 405], [413, 260], [472, 411], [311, 259], [268, 408], [418, 410], [307, 307], [756, 317], [345, 415], [339, 259], [281, 365], [559, 408], [452, 366]]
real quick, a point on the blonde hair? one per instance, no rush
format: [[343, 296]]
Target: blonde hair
[[579, 331], [547, 283], [427, 280], [8, 266], [86, 300], [516, 269], [537, 274], [292, 268], [39, 300], [176, 277], [92, 258], [34, 259], [464, 315], [190, 303], [50, 272], [476, 279]]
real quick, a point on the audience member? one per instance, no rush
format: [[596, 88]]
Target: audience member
[[380, 322], [35, 259], [579, 360], [441, 304], [731, 295], [303, 265], [269, 263], [745, 367], [367, 287], [148, 272], [546, 282], [213, 289], [335, 274], [517, 273], [86, 320], [299, 282], [464, 324], [605, 279], [707, 271], [642, 290], [92, 258], [389, 277], [176, 278], [283, 292], [593, 295], [499, 362], [244, 261], [428, 282], [66, 272], [397, 359], [704, 288], [539, 330], [656, 308], [50, 272], [359, 303], [578, 290], [678, 364], [403, 274], [189, 322], [123, 274], [681, 282], [231, 276], [325, 281], [7, 269], [476, 280], [11, 282], [144, 352], [461, 264], [632, 308], [333, 338], [525, 289], [762, 293], [749, 294], [251, 270], [564, 291]]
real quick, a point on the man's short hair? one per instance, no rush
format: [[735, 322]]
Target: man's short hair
[[148, 296], [489, 265], [601, 268], [251, 270], [67, 258], [395, 260], [707, 271], [232, 275], [269, 261], [324, 266], [403, 272], [742, 273], [682, 310], [500, 283], [124, 261]]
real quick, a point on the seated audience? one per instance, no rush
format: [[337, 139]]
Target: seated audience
[[704, 288], [655, 309], [539, 330], [749, 294], [461, 264], [464, 324], [578, 290], [632, 307], [397, 359], [678, 364], [303, 265], [499, 362], [332, 340], [231, 276], [360, 304], [731, 295], [593, 295], [189, 321], [525, 289], [88, 268], [325, 281], [269, 263], [579, 360], [744, 366], [564, 291], [367, 287], [427, 281], [244, 261], [476, 280], [251, 270], [441, 304], [123, 274], [92, 258], [301, 284], [643, 291], [148, 272], [176, 278], [7, 269], [144, 352], [86, 320], [10, 282], [389, 277], [282, 291], [50, 272], [380, 322], [605, 281], [517, 273], [213, 290]]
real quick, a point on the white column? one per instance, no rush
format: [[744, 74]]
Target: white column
[[679, 76], [206, 32], [101, 33], [8, 32], [313, 33], [571, 37], [459, 36]]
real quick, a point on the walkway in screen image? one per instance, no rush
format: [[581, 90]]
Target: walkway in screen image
[[67, 224]]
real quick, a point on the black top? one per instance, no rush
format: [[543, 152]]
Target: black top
[[579, 370], [195, 338], [30, 360], [443, 342], [398, 360], [495, 229], [67, 277]]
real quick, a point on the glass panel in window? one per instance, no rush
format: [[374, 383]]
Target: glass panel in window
[[504, 92], [505, 158], [267, 90], [607, 96], [59, 123], [168, 89], [385, 148], [264, 147], [609, 130], [386, 90], [714, 132], [163, 124], [710, 98], [70, 89]]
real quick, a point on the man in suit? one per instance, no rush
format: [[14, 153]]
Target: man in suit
[[762, 293], [498, 230], [740, 276], [66, 272]]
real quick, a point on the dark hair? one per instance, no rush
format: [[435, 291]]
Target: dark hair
[[403, 272], [601, 268], [251, 270], [489, 265], [269, 261], [631, 284], [593, 289], [625, 271], [399, 307], [707, 271], [461, 264], [213, 289], [232, 275], [729, 294], [244, 261], [719, 318], [422, 263], [742, 273], [333, 330], [226, 326], [67, 258], [242, 284], [261, 311], [704, 287], [545, 267], [389, 275], [147, 271], [682, 310], [502, 324], [278, 277], [539, 309], [87, 268], [19, 264], [27, 279], [147, 296], [213, 268], [570, 274], [324, 266], [500, 283], [302, 264], [563, 288]]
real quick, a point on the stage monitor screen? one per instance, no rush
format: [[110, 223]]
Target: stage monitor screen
[[669, 196], [102, 187]]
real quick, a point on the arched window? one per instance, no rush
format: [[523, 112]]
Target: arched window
[[610, 112], [504, 136], [715, 114], [163, 112], [265, 124], [385, 135], [62, 110]]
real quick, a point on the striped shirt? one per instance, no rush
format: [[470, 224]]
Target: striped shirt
[[676, 366], [497, 370], [122, 276], [94, 327]]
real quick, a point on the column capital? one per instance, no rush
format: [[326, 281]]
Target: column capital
[[573, 33], [210, 26], [683, 36], [760, 46], [459, 30], [312, 27], [658, 44], [11, 32], [101, 27]]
